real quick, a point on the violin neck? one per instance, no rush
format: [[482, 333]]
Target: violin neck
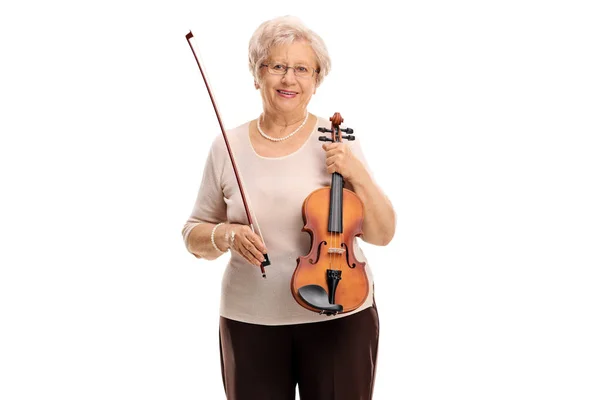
[[336, 203]]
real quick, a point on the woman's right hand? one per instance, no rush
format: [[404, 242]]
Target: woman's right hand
[[243, 241]]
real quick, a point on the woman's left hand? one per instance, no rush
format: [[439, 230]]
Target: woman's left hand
[[339, 158]]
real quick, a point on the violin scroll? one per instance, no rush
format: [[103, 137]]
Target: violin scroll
[[335, 130]]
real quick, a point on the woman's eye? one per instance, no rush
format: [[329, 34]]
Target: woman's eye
[[278, 66], [301, 68]]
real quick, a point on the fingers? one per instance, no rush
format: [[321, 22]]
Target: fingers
[[335, 152], [258, 244], [333, 146], [251, 253], [335, 163], [339, 158], [332, 149], [249, 245]]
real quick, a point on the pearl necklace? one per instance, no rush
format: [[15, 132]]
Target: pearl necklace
[[283, 138]]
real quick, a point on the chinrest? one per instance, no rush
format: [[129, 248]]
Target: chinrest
[[317, 297]]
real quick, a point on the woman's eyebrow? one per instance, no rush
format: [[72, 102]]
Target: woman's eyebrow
[[279, 61]]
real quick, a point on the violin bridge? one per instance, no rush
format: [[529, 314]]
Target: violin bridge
[[336, 250]]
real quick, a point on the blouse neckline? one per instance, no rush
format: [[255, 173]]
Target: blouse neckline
[[310, 136]]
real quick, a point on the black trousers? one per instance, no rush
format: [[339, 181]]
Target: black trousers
[[330, 360]]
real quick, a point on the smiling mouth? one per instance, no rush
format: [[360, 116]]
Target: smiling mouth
[[286, 92]]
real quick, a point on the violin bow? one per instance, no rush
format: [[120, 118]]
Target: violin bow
[[192, 44]]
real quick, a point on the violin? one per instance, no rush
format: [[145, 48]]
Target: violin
[[329, 280]]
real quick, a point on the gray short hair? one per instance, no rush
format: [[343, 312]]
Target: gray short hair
[[285, 30]]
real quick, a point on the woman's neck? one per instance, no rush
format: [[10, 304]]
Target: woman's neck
[[280, 124]]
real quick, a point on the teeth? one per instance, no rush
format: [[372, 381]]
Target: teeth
[[284, 92]]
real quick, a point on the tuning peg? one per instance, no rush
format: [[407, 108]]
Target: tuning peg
[[325, 139], [347, 130], [325, 130], [349, 137]]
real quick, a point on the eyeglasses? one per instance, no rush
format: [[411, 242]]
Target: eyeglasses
[[301, 71]]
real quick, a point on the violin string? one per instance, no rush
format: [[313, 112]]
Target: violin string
[[339, 194], [329, 253], [337, 235], [332, 238], [332, 259]]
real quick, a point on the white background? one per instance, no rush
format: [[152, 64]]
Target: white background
[[479, 119]]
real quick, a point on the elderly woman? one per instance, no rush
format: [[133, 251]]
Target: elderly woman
[[269, 343]]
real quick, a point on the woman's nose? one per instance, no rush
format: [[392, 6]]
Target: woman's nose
[[289, 74]]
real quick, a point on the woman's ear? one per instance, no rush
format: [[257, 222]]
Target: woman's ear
[[256, 85]]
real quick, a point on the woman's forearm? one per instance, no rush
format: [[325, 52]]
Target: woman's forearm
[[200, 245], [379, 223]]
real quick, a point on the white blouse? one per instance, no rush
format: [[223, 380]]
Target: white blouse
[[275, 189]]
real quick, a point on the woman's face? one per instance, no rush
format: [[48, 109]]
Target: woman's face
[[288, 94]]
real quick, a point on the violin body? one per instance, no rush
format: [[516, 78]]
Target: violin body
[[353, 288], [329, 279]]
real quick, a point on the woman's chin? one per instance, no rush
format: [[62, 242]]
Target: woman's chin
[[286, 108]]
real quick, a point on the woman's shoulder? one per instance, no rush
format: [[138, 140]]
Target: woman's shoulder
[[239, 130], [234, 136], [322, 121]]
